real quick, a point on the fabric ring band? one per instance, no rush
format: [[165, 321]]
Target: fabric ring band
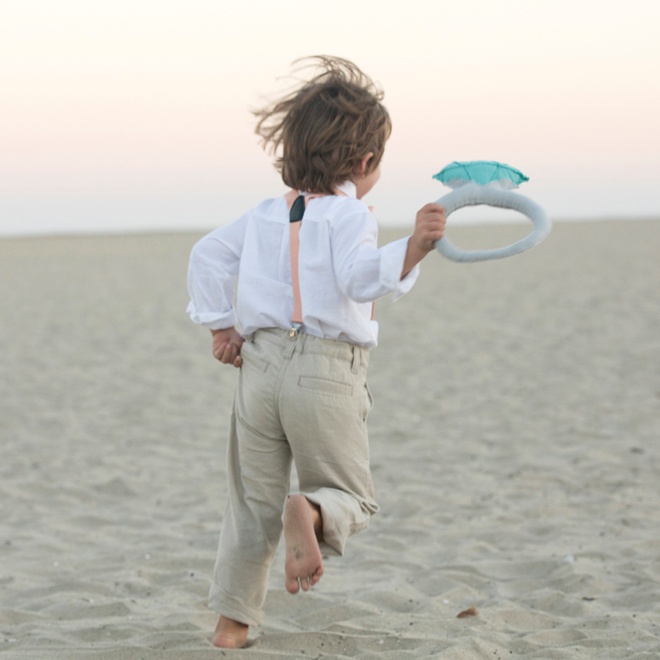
[[473, 194]]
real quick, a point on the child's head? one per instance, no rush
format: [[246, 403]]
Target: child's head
[[327, 127]]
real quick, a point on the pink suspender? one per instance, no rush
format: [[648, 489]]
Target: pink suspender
[[297, 204]]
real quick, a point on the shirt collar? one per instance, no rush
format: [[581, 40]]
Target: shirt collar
[[348, 188]]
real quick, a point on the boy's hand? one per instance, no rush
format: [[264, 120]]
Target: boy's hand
[[227, 346], [429, 228]]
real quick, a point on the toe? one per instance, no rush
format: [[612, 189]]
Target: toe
[[292, 585]]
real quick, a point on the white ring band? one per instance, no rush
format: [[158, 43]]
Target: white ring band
[[472, 194]]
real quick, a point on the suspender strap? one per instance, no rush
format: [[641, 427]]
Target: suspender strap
[[297, 210]]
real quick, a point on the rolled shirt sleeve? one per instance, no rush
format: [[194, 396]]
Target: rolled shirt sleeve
[[212, 271], [393, 256]]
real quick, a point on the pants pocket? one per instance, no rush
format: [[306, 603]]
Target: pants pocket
[[325, 385]]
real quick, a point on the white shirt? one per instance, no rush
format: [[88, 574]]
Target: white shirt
[[341, 270]]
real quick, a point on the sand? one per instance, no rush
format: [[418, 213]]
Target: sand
[[515, 448]]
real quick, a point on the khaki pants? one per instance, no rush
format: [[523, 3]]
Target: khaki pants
[[303, 399]]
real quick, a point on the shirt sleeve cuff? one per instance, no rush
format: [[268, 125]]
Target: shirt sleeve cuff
[[391, 266], [211, 320]]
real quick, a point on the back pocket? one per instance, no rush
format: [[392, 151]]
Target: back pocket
[[325, 385]]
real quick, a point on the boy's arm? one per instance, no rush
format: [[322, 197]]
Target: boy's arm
[[227, 345], [429, 228], [214, 263], [366, 272]]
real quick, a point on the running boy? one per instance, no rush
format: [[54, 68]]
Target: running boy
[[304, 308]]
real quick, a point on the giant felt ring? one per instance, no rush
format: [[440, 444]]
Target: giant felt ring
[[473, 194]]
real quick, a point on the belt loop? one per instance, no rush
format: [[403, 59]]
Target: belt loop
[[355, 359]]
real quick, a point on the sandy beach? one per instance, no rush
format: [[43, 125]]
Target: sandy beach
[[515, 447]]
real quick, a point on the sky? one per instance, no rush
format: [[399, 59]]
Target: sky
[[135, 115]]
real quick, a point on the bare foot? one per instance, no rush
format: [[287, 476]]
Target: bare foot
[[230, 634], [304, 564]]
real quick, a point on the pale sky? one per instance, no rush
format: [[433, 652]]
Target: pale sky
[[135, 114]]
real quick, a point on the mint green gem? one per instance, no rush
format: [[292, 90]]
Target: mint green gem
[[482, 172]]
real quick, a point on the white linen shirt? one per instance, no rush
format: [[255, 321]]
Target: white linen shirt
[[341, 270]]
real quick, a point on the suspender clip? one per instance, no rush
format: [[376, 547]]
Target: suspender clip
[[294, 331]]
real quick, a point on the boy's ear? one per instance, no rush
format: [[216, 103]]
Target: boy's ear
[[364, 164]]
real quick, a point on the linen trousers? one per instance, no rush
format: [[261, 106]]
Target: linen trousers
[[302, 399]]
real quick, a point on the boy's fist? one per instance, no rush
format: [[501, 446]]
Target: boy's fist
[[429, 226], [227, 346]]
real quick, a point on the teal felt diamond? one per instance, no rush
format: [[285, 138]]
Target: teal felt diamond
[[483, 172]]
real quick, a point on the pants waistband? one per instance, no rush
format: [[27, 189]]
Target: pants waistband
[[306, 343]]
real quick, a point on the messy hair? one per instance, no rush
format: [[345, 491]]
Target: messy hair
[[326, 126]]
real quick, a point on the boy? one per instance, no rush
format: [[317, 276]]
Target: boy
[[304, 305]]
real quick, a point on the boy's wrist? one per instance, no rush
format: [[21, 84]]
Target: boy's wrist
[[215, 331]]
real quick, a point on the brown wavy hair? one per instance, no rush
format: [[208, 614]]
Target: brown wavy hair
[[326, 126]]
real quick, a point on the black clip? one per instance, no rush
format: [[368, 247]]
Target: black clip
[[297, 209]]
